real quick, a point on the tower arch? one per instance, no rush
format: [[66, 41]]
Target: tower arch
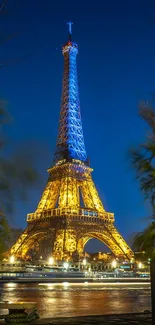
[[26, 242], [104, 238]]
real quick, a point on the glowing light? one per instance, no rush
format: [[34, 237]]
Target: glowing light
[[114, 263], [51, 261], [140, 265], [84, 262], [11, 284], [66, 265], [11, 259], [70, 136], [66, 284]]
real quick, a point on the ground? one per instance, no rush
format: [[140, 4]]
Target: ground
[[126, 319]]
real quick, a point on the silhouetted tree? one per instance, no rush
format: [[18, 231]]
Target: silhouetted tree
[[3, 4], [18, 174], [17, 168], [143, 161]]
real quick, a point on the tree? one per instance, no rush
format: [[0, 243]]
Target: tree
[[18, 173], [3, 5], [143, 241], [143, 161]]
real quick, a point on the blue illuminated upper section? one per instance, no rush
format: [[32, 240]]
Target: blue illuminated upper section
[[70, 141]]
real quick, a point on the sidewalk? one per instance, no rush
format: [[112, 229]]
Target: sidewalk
[[125, 319]]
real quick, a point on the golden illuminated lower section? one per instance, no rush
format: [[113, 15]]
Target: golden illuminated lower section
[[69, 196], [70, 212], [50, 196], [71, 239], [82, 214], [64, 244], [90, 196], [70, 190]]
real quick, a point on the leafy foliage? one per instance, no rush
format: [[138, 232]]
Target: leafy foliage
[[17, 175], [3, 4], [143, 157], [17, 170], [144, 241], [143, 161], [4, 234]]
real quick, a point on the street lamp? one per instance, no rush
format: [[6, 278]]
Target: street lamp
[[84, 262], [114, 264], [51, 261], [66, 265], [139, 265], [11, 259]]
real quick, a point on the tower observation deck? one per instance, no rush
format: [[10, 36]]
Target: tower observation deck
[[70, 211]]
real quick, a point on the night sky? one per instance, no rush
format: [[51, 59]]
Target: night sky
[[116, 67]]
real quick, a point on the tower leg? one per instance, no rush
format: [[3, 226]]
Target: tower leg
[[29, 240], [121, 244], [64, 244]]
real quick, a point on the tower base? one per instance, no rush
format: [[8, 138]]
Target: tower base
[[65, 236]]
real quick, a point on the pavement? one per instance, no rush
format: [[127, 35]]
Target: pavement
[[119, 319]]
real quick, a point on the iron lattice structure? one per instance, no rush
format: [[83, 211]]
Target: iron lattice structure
[[70, 142], [70, 211]]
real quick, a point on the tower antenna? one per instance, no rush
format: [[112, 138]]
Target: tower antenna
[[70, 30]]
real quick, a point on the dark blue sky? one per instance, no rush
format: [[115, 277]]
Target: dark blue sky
[[116, 67]]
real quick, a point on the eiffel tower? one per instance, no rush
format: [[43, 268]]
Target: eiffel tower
[[70, 211]]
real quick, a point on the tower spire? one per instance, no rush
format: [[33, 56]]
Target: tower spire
[[70, 30], [70, 142]]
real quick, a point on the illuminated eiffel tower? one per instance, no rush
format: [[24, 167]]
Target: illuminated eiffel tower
[[70, 211]]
